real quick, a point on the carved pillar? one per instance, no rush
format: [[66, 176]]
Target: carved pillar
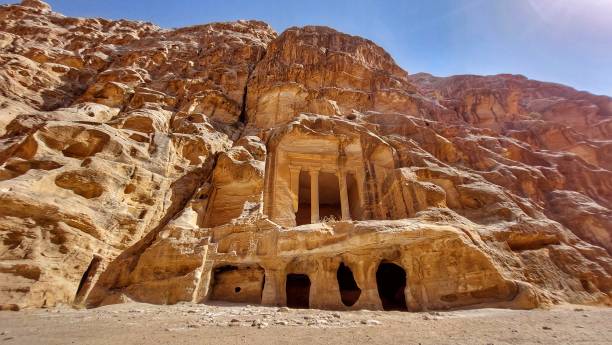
[[360, 176], [364, 270], [203, 282], [344, 200], [314, 195], [324, 289], [295, 186], [271, 294]]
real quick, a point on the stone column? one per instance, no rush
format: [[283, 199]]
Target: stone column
[[272, 289], [314, 195], [295, 186], [364, 271], [324, 289], [360, 177], [344, 203], [203, 281], [344, 200]]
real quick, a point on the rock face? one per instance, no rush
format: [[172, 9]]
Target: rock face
[[226, 162]]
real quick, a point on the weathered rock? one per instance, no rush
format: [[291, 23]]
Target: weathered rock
[[226, 162], [80, 184], [37, 4]]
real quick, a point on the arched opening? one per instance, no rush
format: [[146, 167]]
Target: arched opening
[[298, 291], [349, 291], [391, 283], [329, 196], [238, 284], [302, 216]]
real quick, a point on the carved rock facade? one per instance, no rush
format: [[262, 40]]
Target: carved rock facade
[[226, 162]]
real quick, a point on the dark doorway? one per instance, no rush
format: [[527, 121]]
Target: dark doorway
[[329, 197], [298, 291], [302, 216], [391, 282], [349, 291]]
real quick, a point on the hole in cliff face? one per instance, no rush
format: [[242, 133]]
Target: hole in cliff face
[[302, 216], [349, 291], [298, 291], [329, 197], [242, 284], [391, 283], [87, 278], [586, 286]]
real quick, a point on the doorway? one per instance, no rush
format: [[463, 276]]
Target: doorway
[[298, 291], [238, 284], [349, 291], [329, 197], [391, 283]]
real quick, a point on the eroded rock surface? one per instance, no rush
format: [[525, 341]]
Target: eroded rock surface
[[228, 162]]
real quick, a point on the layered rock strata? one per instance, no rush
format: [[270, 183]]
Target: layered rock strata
[[228, 162]]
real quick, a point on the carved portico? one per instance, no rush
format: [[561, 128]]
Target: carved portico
[[311, 171], [328, 174]]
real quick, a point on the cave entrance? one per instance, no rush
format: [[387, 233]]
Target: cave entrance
[[87, 278], [391, 283], [302, 216], [349, 291], [329, 197], [238, 284], [298, 291]]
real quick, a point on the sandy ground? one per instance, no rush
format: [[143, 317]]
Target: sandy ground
[[134, 323]]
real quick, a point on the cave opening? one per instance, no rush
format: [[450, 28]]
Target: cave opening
[[349, 290], [239, 284], [87, 278], [298, 291], [391, 283]]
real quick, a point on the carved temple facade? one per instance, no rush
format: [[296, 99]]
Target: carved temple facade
[[332, 180], [319, 217], [319, 177]]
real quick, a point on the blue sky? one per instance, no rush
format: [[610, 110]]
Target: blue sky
[[565, 41]]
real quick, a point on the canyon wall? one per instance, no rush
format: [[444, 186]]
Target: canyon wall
[[228, 162]]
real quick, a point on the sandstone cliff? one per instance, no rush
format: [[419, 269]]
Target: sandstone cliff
[[226, 161]]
